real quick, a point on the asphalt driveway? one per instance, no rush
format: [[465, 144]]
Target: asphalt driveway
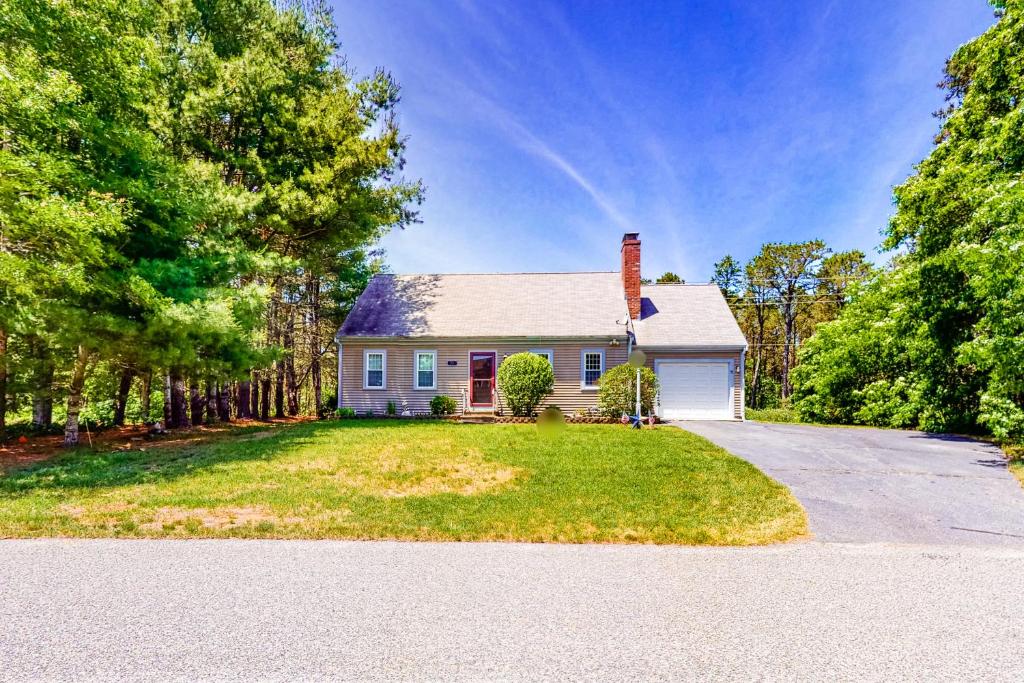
[[877, 485]]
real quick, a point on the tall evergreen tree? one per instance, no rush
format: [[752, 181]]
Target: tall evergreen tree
[[167, 172]]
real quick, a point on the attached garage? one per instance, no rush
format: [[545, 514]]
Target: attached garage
[[692, 342], [696, 389]]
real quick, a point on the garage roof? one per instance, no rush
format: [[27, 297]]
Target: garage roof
[[682, 316]]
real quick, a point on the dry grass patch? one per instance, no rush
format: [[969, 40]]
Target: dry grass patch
[[217, 518], [1017, 469], [425, 468], [1015, 456], [107, 516]]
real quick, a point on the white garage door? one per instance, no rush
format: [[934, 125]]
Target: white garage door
[[695, 390]]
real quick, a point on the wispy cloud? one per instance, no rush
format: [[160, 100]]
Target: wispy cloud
[[521, 136]]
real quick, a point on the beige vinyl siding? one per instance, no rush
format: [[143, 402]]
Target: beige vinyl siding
[[453, 380], [737, 392]]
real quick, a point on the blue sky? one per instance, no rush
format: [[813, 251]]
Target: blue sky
[[545, 130]]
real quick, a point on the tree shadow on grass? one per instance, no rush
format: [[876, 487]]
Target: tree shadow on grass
[[81, 469]]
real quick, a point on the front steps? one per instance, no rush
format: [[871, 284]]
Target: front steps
[[477, 418]]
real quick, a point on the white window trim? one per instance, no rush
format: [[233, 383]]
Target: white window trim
[[383, 367], [549, 352], [416, 369], [583, 368]]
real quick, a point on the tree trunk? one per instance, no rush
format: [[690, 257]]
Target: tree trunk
[[316, 378], [167, 401], [211, 402], [313, 291], [3, 381], [121, 400], [42, 385], [273, 339], [755, 383], [42, 405], [279, 388], [75, 397], [265, 395], [179, 409], [145, 388], [291, 383], [197, 402], [223, 402], [786, 347], [244, 400], [255, 386]]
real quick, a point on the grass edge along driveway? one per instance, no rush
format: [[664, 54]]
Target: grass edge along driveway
[[411, 481], [1017, 469]]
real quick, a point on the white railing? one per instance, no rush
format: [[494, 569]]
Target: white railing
[[467, 394]]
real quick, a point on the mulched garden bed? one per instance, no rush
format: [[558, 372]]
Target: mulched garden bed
[[570, 419]]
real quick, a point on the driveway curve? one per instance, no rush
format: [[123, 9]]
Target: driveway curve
[[866, 485]]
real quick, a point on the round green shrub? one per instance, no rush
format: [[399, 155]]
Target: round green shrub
[[443, 405], [617, 391], [524, 380]]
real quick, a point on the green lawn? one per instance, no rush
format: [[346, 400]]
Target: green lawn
[[772, 415], [790, 416], [411, 480]]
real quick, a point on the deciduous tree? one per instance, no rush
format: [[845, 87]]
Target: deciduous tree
[[948, 318]]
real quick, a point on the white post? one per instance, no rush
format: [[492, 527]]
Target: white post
[[638, 393], [743, 385]]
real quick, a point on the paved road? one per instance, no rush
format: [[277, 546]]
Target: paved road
[[871, 485], [247, 610]]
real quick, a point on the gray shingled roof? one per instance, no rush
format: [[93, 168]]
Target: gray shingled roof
[[686, 316], [490, 305]]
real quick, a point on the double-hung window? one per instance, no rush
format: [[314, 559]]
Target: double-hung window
[[591, 367], [425, 363], [375, 369], [546, 353]]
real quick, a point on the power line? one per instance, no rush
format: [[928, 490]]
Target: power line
[[776, 344], [831, 295], [777, 302], [807, 277]]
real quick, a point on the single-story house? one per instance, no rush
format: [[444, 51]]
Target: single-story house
[[411, 337]]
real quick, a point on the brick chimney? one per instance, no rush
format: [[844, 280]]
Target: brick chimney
[[631, 272]]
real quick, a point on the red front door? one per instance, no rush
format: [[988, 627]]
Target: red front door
[[481, 378]]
